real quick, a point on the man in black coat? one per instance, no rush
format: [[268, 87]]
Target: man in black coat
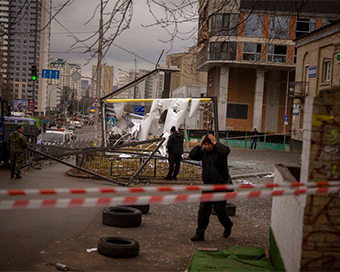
[[254, 134], [214, 156], [175, 150]]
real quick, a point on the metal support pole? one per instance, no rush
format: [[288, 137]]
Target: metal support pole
[[99, 69], [146, 161], [216, 118], [74, 166], [167, 82], [104, 140], [286, 106]]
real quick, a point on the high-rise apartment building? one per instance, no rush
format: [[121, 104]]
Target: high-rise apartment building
[[247, 48], [4, 22], [151, 87], [66, 83], [107, 74], [28, 45]]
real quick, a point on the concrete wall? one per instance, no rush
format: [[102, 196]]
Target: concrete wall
[[321, 162], [307, 228], [286, 222]]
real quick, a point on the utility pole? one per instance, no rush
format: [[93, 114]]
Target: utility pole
[[99, 71]]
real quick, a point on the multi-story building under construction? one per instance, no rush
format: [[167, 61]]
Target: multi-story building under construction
[[247, 48]]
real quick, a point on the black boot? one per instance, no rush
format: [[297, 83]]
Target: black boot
[[197, 237], [227, 231], [168, 177], [18, 177], [12, 175]]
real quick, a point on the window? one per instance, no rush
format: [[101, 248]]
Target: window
[[252, 51], [326, 69], [253, 25], [224, 25], [278, 27], [304, 26], [237, 111], [223, 51], [277, 53]]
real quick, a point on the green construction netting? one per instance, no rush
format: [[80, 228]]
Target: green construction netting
[[233, 259]]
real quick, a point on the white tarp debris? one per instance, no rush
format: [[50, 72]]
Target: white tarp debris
[[177, 111]]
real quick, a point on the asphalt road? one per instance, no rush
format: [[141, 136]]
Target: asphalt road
[[36, 239]]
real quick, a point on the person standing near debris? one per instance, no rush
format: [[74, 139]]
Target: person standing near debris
[[175, 150], [255, 134], [16, 145], [214, 157]]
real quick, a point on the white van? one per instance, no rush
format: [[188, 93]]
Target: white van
[[54, 137], [75, 124]]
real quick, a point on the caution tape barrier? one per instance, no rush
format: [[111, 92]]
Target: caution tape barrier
[[165, 199], [153, 189]]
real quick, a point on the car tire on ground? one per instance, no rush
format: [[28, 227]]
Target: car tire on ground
[[122, 217], [229, 207], [143, 208], [118, 247]]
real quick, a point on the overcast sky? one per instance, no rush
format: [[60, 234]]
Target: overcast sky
[[143, 41]]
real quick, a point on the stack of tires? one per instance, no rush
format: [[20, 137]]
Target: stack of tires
[[122, 217]]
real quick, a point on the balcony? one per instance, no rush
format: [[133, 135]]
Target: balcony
[[298, 89]]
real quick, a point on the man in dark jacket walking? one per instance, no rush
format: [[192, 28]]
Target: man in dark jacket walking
[[175, 150], [16, 145], [213, 155]]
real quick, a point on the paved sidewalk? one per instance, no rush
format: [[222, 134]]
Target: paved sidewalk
[[63, 235]]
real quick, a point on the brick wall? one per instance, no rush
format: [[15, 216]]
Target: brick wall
[[306, 229], [321, 230]]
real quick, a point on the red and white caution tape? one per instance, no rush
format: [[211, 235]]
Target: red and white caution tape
[[166, 199], [157, 189]]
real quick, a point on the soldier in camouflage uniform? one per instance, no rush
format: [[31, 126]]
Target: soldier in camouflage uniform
[[16, 145]]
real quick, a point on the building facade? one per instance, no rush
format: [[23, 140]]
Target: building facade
[[317, 68], [28, 45], [4, 23], [107, 74], [70, 88], [247, 48], [151, 87], [188, 74]]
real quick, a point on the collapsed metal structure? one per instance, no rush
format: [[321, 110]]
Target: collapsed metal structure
[[125, 147]]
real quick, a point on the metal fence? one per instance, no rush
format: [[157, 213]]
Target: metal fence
[[59, 151], [123, 166]]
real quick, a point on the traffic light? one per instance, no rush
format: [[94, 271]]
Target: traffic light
[[34, 72]]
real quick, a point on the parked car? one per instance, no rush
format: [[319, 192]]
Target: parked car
[[72, 127], [77, 124]]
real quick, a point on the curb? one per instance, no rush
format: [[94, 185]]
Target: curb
[[151, 180]]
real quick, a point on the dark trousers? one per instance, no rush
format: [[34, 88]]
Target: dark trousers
[[204, 212], [253, 143], [174, 163]]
